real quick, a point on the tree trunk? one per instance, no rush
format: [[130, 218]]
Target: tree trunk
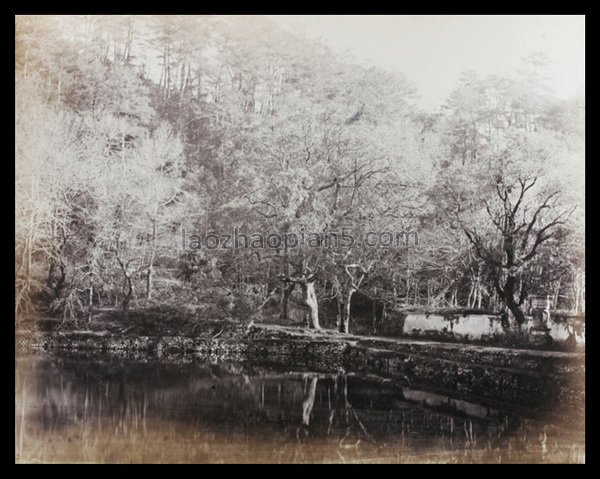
[[128, 295], [128, 287], [345, 323], [556, 294], [310, 299], [149, 283], [60, 281], [417, 298], [509, 299], [494, 301], [340, 314], [90, 300], [374, 317], [428, 297], [470, 298], [285, 301], [150, 274], [579, 293]]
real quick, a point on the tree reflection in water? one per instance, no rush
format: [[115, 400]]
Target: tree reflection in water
[[72, 410]]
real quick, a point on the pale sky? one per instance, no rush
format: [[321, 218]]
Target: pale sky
[[432, 50]]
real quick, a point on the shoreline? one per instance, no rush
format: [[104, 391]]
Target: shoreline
[[521, 377]]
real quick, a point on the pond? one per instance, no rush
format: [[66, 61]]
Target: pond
[[76, 409]]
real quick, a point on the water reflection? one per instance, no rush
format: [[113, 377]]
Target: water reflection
[[73, 410]]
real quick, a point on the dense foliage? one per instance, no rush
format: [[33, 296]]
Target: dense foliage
[[133, 132]]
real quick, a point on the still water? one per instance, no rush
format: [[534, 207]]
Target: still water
[[70, 409]]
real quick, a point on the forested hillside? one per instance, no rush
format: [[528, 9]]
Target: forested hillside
[[137, 136]]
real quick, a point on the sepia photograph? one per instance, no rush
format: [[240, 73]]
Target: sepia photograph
[[299, 239]]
